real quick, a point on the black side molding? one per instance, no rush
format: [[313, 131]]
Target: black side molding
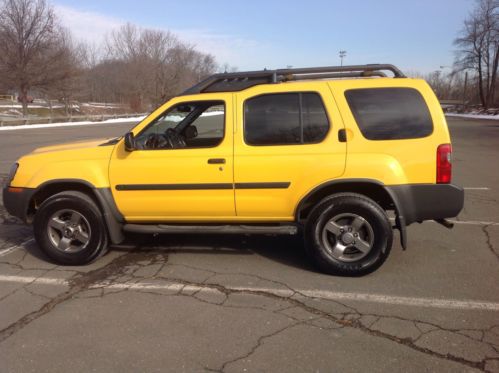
[[125, 187], [203, 186], [278, 185]]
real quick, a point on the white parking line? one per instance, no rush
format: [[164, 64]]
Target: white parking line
[[476, 188], [472, 222], [320, 294], [407, 301], [30, 279], [463, 222], [8, 250]]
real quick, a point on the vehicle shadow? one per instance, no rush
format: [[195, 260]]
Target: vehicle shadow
[[33, 249], [287, 250]]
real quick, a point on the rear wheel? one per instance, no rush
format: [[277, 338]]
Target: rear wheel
[[69, 228], [348, 234]]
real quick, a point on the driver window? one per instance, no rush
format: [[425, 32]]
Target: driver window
[[187, 125]]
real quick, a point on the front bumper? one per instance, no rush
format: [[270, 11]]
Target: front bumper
[[16, 201], [419, 202]]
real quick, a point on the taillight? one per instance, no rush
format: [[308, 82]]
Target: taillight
[[444, 164]]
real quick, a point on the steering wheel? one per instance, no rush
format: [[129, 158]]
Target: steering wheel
[[155, 141], [171, 139], [174, 139]]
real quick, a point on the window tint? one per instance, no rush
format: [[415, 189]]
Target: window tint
[[315, 123], [285, 119], [390, 113]]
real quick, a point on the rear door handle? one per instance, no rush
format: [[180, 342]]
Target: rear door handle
[[342, 135], [216, 161]]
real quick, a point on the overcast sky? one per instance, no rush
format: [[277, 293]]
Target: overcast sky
[[416, 35]]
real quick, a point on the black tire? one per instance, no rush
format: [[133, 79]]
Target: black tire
[[49, 227], [374, 236]]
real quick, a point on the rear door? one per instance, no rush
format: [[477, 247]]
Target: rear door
[[286, 144]]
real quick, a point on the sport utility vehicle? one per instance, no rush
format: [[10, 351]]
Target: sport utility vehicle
[[331, 151]]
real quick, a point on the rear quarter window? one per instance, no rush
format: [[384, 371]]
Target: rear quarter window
[[390, 113]]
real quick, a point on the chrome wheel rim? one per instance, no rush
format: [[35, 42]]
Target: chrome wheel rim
[[348, 237], [68, 231]]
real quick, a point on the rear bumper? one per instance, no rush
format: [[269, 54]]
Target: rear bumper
[[419, 202], [16, 201]]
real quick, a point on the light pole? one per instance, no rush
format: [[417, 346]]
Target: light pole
[[343, 54]]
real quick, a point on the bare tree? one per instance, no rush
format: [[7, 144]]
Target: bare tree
[[144, 54], [156, 64], [69, 83], [479, 48], [34, 49]]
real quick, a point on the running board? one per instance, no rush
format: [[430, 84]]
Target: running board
[[289, 229]]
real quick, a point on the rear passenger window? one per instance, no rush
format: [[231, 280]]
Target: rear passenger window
[[390, 113], [285, 119]]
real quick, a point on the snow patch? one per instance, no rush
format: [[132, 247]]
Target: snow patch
[[178, 118], [70, 124], [473, 116]]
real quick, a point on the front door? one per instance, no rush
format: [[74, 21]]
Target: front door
[[182, 169]]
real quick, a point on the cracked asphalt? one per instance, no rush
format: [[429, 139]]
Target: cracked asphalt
[[254, 303]]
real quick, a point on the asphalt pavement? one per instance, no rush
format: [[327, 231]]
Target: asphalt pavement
[[254, 303]]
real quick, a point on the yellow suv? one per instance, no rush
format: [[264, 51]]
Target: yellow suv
[[330, 151]]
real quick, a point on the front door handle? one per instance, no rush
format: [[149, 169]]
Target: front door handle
[[216, 161]]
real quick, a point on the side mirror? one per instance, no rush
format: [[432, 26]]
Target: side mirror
[[129, 142]]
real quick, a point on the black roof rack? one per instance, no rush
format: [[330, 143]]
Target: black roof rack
[[231, 82]]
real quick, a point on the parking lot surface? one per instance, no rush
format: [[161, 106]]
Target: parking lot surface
[[254, 303]]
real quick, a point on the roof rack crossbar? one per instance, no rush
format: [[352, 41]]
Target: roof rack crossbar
[[237, 81], [330, 69], [363, 74]]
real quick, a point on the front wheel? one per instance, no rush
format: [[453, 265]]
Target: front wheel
[[348, 234], [69, 228]]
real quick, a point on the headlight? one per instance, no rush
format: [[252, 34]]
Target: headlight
[[12, 173]]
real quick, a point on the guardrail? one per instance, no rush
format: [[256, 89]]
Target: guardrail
[[75, 118]]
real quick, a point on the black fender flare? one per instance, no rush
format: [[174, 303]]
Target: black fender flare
[[112, 216], [400, 221]]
